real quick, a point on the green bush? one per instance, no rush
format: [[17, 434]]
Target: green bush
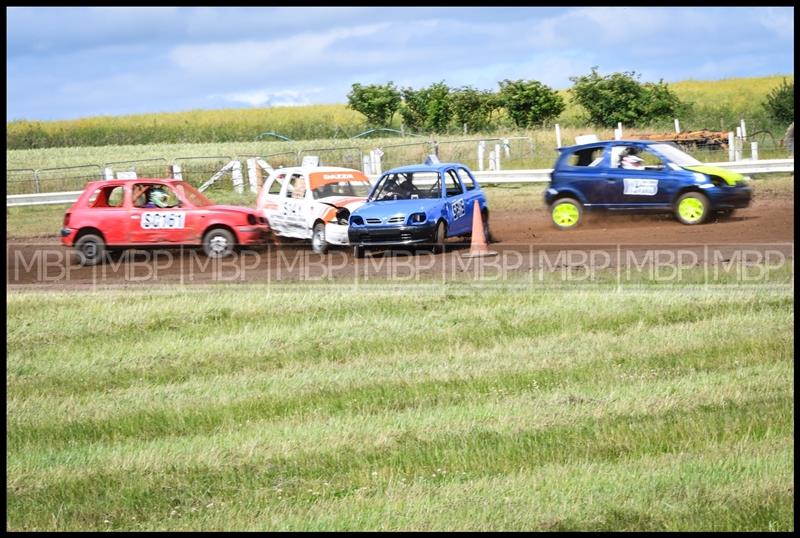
[[529, 102], [780, 102], [620, 97], [378, 102]]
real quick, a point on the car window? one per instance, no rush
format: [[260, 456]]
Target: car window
[[635, 158], [276, 184], [407, 186], [111, 196], [466, 179], [592, 156], [452, 184], [297, 187], [342, 188], [143, 196]]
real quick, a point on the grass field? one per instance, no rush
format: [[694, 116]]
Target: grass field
[[252, 408], [715, 104]]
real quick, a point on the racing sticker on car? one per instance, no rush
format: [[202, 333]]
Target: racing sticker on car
[[458, 209], [155, 220], [642, 187]]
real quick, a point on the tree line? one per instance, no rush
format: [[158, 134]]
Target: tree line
[[607, 100]]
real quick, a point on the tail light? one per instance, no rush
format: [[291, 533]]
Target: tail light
[[66, 219]]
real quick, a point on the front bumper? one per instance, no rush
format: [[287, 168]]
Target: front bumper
[[254, 235], [391, 235], [67, 236], [730, 197], [337, 234]]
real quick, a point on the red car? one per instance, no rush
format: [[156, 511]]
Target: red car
[[156, 212]]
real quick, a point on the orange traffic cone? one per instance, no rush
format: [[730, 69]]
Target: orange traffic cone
[[478, 247]]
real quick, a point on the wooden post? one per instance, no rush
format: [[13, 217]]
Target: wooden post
[[731, 146], [754, 150], [558, 135], [497, 156], [677, 126], [481, 151]]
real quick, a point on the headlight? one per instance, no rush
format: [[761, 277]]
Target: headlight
[[417, 218], [358, 221], [700, 178]]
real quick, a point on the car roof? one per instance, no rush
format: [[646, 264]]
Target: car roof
[[422, 168], [604, 143], [137, 180], [309, 169]]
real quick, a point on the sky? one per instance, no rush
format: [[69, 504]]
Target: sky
[[64, 63]]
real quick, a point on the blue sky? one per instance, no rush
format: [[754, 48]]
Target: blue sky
[[75, 62]]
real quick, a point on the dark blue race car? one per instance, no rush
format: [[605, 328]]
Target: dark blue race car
[[630, 175], [418, 204]]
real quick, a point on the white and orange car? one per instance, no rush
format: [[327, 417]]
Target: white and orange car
[[312, 202]]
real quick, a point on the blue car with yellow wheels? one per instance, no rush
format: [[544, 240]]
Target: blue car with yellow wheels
[[640, 176], [418, 204]]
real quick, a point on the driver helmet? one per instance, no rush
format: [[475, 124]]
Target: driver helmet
[[632, 161], [158, 197]]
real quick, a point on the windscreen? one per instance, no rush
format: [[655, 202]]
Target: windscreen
[[408, 186], [193, 195], [676, 155]]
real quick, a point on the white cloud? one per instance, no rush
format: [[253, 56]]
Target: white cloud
[[266, 98], [286, 48]]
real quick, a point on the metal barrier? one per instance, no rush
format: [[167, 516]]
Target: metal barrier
[[480, 153], [68, 178], [346, 157], [144, 168], [198, 170], [395, 155], [22, 181], [275, 160]]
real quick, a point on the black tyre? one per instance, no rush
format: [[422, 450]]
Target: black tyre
[[487, 234], [358, 252], [318, 242], [439, 238], [218, 243], [692, 208], [91, 249]]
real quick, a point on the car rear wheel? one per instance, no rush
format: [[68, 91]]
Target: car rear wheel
[[91, 249], [566, 213], [218, 243], [358, 251], [318, 242], [692, 208], [487, 234], [439, 238]]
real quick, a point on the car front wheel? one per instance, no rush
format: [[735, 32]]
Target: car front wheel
[[318, 243], [439, 237], [692, 208], [218, 243], [91, 249]]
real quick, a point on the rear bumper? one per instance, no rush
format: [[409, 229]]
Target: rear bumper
[[394, 235], [337, 234], [67, 236]]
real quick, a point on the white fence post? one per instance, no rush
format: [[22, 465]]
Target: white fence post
[[367, 165], [108, 173], [491, 161], [497, 156], [236, 176], [375, 161], [176, 172], [507, 148], [619, 126], [252, 174], [481, 151], [731, 146], [677, 126], [754, 150], [744, 130], [558, 135]]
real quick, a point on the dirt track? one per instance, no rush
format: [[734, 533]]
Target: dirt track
[[526, 243]]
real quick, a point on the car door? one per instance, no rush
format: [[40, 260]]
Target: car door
[[271, 202], [472, 194], [155, 225], [585, 171], [295, 206], [645, 186], [109, 214], [455, 199]]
